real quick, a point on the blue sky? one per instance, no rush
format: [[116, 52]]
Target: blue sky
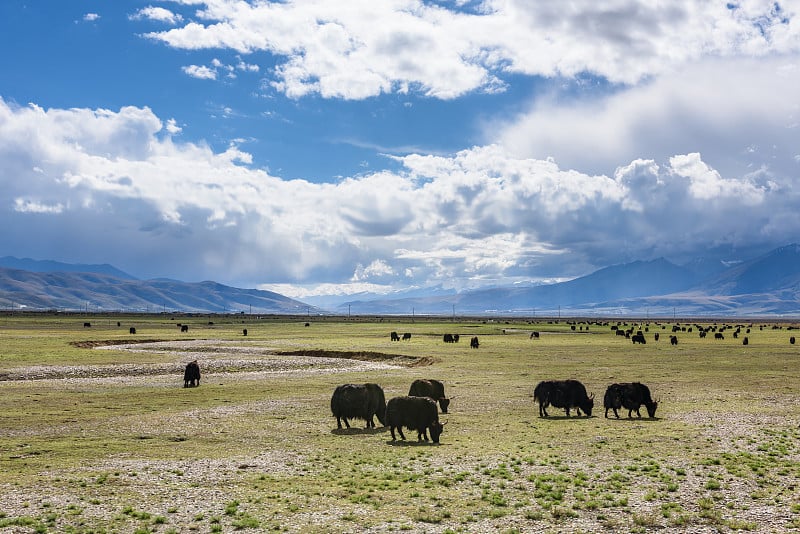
[[316, 147]]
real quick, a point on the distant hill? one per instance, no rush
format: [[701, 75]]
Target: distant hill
[[48, 266], [775, 271], [102, 292], [767, 285]]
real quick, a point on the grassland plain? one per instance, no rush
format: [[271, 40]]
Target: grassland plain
[[102, 437]]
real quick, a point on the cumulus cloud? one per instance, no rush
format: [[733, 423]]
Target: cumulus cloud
[[91, 17], [31, 206], [159, 14], [363, 48], [200, 72], [741, 115], [480, 215], [376, 269]]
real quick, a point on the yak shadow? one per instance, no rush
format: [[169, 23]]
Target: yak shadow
[[565, 418], [634, 419], [411, 443], [353, 431]]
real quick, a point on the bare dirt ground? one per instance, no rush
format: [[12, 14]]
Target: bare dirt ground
[[217, 357]]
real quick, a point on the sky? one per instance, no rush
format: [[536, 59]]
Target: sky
[[318, 147]]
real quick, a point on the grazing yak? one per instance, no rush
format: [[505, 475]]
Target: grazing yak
[[473, 343], [244, 331], [394, 337], [406, 336], [673, 340], [638, 338], [191, 375], [358, 401], [132, 330], [631, 396], [448, 338], [430, 388], [534, 335], [184, 328], [565, 394], [414, 413], [87, 325], [791, 340]]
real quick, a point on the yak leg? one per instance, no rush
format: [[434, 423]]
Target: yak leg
[[615, 413], [542, 409], [338, 422], [400, 431]]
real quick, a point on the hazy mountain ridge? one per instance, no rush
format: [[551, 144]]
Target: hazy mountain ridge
[[49, 266], [101, 292], [766, 285]]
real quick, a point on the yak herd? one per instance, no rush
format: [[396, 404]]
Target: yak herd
[[418, 410], [415, 411]]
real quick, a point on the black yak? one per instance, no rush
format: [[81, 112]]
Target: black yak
[[565, 394], [358, 401], [430, 388], [631, 396], [191, 376], [414, 413], [473, 343]]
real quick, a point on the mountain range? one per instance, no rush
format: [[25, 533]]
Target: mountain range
[[92, 288], [768, 285]]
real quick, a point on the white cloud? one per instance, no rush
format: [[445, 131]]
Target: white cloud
[[30, 206], [91, 17], [739, 114], [159, 14], [201, 72], [363, 48], [172, 127], [482, 215], [376, 269]]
